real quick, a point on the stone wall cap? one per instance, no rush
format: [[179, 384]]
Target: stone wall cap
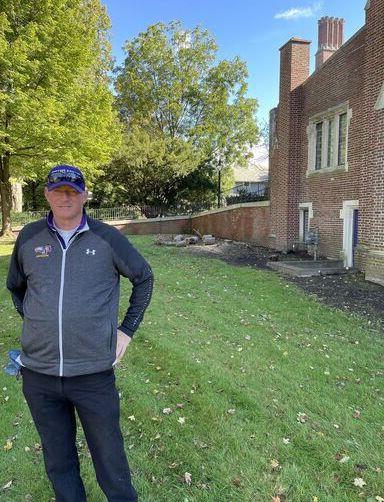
[[296, 40], [261, 203]]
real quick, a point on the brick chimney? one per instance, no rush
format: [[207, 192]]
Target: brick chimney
[[331, 34], [287, 144]]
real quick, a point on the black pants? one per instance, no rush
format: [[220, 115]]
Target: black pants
[[53, 401]]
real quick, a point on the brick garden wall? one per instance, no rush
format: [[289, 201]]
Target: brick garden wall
[[242, 222], [175, 225]]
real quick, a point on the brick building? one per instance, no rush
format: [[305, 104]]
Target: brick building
[[327, 145]]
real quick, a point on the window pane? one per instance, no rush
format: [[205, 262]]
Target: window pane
[[342, 143], [319, 144], [331, 124]]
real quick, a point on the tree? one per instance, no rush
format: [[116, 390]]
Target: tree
[[55, 101], [181, 109]]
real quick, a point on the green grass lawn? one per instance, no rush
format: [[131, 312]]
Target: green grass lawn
[[271, 393]]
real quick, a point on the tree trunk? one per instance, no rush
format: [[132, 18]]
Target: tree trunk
[[17, 197], [6, 195], [34, 200]]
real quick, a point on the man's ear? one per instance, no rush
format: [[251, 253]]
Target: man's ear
[[85, 196], [46, 193]]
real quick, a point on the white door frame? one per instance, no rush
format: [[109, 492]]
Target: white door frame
[[302, 207], [347, 215]]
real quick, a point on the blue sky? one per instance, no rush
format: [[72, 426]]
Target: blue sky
[[251, 29]]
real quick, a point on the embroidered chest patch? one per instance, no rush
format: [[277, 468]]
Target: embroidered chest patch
[[43, 251]]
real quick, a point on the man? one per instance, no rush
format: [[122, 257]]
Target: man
[[64, 279]]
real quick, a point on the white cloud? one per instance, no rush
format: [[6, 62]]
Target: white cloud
[[298, 12]]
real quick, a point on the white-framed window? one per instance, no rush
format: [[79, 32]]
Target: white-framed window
[[328, 140], [305, 216]]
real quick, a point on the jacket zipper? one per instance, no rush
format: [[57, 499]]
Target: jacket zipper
[[61, 371], [61, 295]]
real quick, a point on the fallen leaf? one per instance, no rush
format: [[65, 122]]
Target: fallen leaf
[[359, 482], [231, 411], [344, 459], [181, 420], [200, 444], [8, 445], [167, 411], [132, 418], [286, 440], [302, 417], [274, 464], [188, 478], [7, 485], [357, 414]]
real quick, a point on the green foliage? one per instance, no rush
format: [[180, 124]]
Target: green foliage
[[182, 111], [55, 101]]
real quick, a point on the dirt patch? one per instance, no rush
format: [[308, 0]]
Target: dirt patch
[[349, 292], [234, 253]]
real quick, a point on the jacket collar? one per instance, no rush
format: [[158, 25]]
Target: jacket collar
[[81, 228]]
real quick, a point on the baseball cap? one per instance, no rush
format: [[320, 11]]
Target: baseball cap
[[66, 175]]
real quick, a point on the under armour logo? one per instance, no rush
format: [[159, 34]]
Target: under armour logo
[[91, 251]]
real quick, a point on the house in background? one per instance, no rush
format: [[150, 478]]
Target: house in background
[[253, 178], [327, 145]]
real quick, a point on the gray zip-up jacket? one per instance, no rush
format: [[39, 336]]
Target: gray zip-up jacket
[[68, 296]]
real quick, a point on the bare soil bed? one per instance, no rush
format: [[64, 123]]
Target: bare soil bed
[[348, 292]]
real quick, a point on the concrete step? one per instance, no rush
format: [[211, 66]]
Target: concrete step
[[308, 268]]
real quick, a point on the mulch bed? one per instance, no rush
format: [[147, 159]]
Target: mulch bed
[[349, 292]]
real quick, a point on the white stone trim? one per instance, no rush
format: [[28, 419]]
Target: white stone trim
[[346, 214], [325, 117], [380, 100]]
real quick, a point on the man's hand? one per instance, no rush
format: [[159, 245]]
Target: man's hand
[[123, 341]]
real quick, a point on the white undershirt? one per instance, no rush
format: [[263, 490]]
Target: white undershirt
[[65, 234]]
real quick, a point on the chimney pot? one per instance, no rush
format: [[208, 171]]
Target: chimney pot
[[330, 38]]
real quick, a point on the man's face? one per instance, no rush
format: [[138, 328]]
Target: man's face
[[66, 203]]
